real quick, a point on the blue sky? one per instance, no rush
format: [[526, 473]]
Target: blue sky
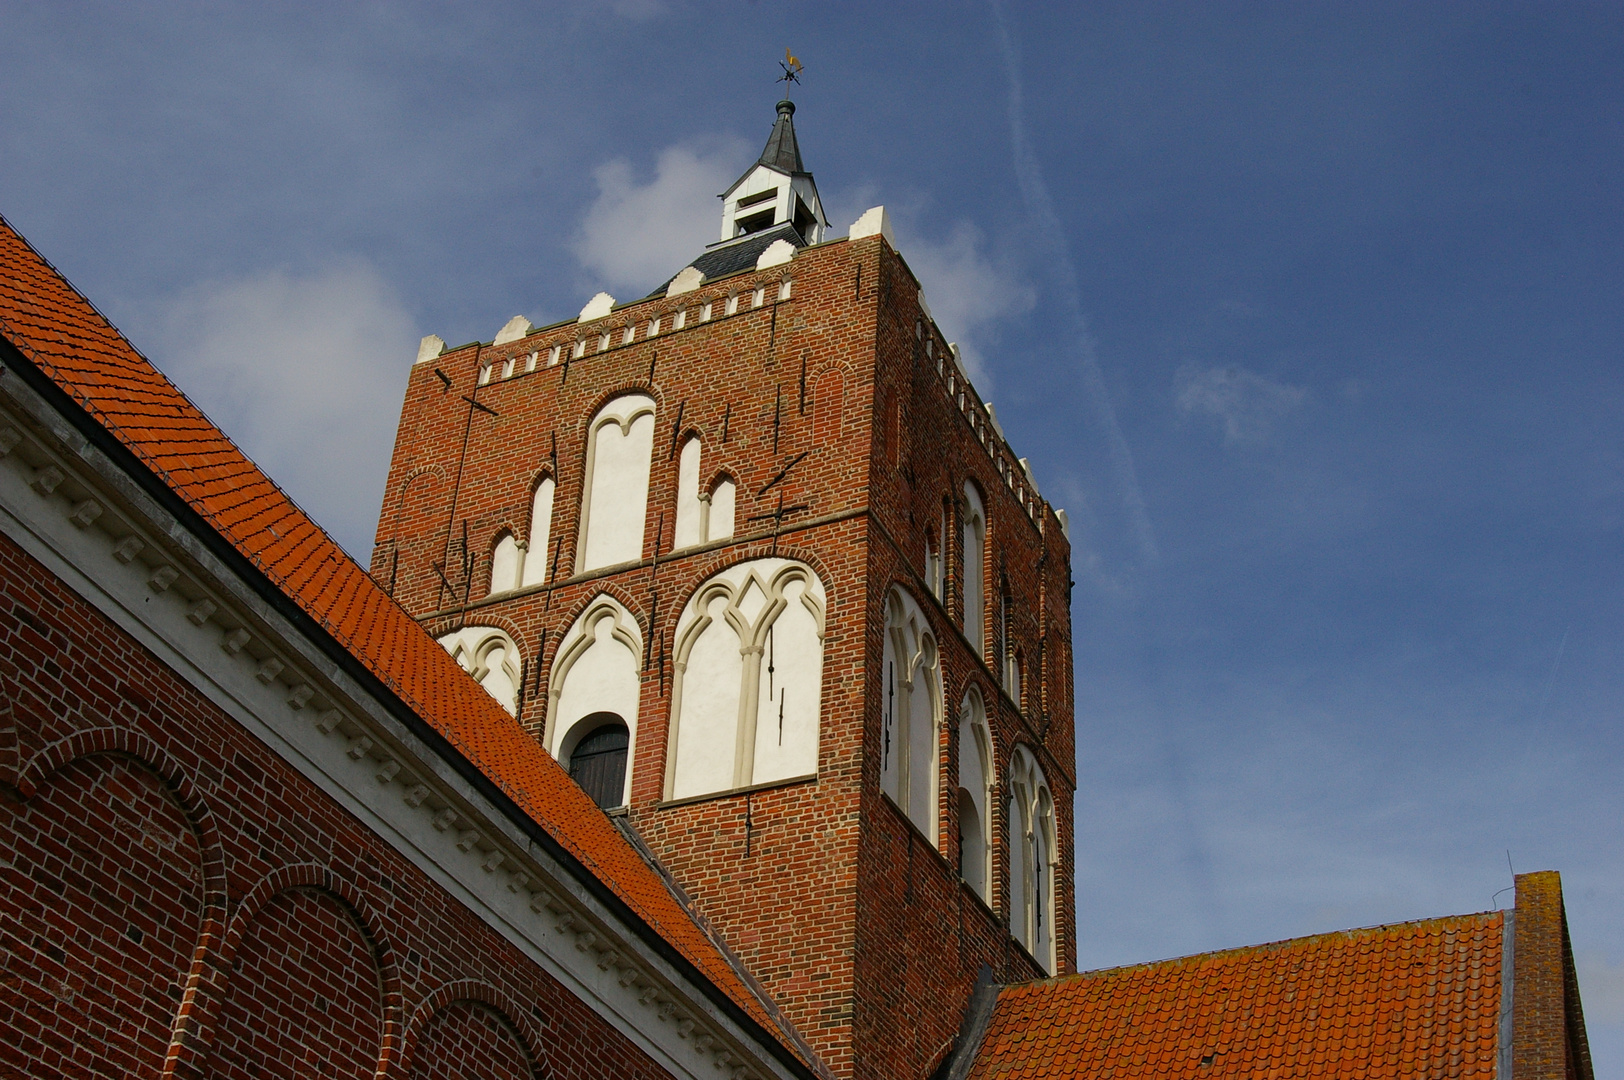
[[1309, 314]]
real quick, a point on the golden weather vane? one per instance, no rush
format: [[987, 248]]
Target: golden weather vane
[[792, 70]]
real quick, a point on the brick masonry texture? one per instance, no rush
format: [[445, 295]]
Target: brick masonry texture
[[1550, 1042], [175, 889], [855, 923]]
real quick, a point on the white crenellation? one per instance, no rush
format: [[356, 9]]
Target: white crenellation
[[599, 306], [512, 330], [430, 348], [874, 222]]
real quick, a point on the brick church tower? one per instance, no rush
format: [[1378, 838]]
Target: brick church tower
[[753, 560]]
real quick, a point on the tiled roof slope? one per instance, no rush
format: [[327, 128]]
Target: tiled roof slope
[[1409, 1000], [64, 335]]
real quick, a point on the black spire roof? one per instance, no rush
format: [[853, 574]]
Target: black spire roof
[[782, 152]]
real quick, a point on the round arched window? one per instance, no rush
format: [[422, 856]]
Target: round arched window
[[598, 762]]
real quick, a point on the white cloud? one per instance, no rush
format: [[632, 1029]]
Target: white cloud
[[968, 292], [306, 374], [638, 234], [1244, 403]]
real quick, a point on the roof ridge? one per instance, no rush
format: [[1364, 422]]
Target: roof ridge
[[1253, 950]]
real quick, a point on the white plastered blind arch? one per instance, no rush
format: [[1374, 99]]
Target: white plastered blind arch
[[690, 524], [719, 510], [614, 504], [598, 669], [748, 686], [507, 563], [537, 561], [910, 711], [490, 656], [1030, 829], [975, 794], [974, 548]]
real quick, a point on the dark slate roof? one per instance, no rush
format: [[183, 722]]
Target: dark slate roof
[[782, 152], [736, 255]]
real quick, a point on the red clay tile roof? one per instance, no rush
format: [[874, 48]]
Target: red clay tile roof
[[1410, 1000], [64, 335]]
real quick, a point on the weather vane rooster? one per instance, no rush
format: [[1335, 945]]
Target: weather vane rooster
[[792, 70]]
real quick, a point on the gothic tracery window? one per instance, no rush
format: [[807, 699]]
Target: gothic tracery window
[[910, 711], [749, 679], [490, 656], [595, 682]]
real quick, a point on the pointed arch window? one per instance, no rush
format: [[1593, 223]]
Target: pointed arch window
[[537, 561], [910, 711], [975, 795], [974, 549], [749, 679], [596, 682], [614, 506], [1032, 859]]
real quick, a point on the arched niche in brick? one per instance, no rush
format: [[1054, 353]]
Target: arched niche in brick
[[105, 872], [1030, 828], [973, 550], [747, 696], [596, 674], [689, 528], [614, 503], [303, 993], [720, 508], [537, 557], [470, 1028], [492, 658], [910, 712], [507, 563], [975, 769], [828, 404]]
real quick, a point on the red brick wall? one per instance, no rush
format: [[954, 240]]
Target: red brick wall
[[809, 882], [470, 1038], [164, 872], [1548, 1032]]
